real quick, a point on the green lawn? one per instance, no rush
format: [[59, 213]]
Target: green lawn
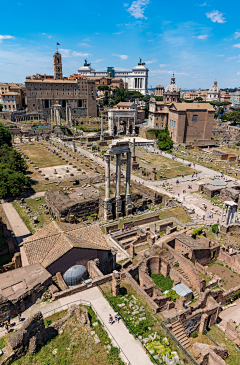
[[234, 357], [75, 345], [40, 156], [162, 282], [34, 206]]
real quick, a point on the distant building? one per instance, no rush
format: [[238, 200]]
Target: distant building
[[11, 101], [136, 79], [214, 93], [159, 90], [44, 91], [235, 99], [187, 122], [172, 92], [192, 95]]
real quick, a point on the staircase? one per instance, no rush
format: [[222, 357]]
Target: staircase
[[195, 294], [180, 334], [180, 270], [54, 279]]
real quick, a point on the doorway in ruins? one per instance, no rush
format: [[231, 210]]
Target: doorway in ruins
[[123, 127]]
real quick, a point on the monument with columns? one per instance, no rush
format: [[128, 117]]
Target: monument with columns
[[118, 148], [122, 121], [135, 164], [229, 213], [69, 115], [55, 114]]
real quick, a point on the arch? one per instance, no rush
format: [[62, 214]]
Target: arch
[[64, 103], [115, 130], [130, 129]]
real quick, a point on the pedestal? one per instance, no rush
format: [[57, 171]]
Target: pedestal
[[108, 209], [128, 205], [119, 207]]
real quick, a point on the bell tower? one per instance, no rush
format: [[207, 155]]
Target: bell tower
[[57, 61]]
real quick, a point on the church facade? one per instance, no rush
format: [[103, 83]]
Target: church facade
[[136, 79]]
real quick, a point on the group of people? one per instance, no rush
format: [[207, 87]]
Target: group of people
[[117, 318], [7, 325]]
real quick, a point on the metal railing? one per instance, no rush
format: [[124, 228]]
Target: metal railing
[[129, 326], [89, 304], [178, 343], [210, 336]]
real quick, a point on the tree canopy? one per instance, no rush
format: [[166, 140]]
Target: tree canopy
[[12, 167], [165, 142], [5, 136]]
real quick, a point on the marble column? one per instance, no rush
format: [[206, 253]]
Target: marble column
[[128, 204], [118, 128], [107, 200], [134, 147], [102, 135], [118, 186], [67, 115]]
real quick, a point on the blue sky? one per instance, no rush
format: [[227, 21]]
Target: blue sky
[[198, 40]]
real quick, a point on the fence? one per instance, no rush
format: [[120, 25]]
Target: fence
[[178, 343], [130, 327], [87, 303], [210, 336]]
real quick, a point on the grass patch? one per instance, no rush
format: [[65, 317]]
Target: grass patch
[[75, 345], [40, 156], [34, 205], [233, 359], [151, 325], [162, 282], [179, 213]]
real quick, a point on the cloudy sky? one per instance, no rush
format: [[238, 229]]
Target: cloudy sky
[[198, 40]]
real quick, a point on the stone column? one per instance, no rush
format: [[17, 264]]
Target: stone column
[[127, 131], [128, 179], [118, 130], [107, 201], [51, 115], [102, 135], [118, 186], [66, 114], [133, 147]]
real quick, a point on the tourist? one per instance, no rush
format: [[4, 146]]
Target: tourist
[[110, 319], [203, 217], [19, 316], [197, 216], [6, 328], [117, 317], [8, 320]]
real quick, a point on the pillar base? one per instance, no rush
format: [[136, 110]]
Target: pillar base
[[102, 137], [108, 209], [128, 206], [119, 207]]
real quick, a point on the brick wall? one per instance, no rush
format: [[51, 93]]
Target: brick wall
[[93, 270], [139, 222], [231, 260], [141, 292], [163, 226], [188, 267]]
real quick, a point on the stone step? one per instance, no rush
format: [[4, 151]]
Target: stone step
[[177, 331]]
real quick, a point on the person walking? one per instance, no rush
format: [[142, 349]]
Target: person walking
[[19, 316], [8, 320], [110, 319], [6, 328], [117, 317]]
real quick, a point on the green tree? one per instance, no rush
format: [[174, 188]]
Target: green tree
[[106, 98], [165, 141], [234, 116], [223, 117], [1, 107], [103, 87], [221, 110], [5, 136], [12, 159], [12, 183]]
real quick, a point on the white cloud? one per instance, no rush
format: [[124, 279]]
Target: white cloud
[[65, 52], [49, 36], [118, 33], [80, 54], [204, 4], [99, 60], [236, 34], [220, 55], [125, 5], [6, 37], [238, 73], [163, 65], [237, 45], [137, 8], [84, 45], [149, 62], [122, 56], [202, 36], [157, 72], [232, 58], [216, 16]]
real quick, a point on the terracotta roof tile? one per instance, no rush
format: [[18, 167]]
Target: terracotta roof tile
[[53, 241]]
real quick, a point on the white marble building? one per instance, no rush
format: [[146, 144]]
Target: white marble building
[[137, 78], [214, 93]]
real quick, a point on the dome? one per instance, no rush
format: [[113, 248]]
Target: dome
[[172, 87], [74, 275], [140, 68], [214, 88]]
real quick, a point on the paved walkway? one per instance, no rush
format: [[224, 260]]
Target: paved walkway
[[19, 228], [131, 347]]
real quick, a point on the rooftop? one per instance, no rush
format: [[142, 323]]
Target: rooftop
[[193, 106], [57, 238], [190, 242]]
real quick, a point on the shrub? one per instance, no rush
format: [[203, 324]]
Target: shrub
[[197, 232], [215, 228], [162, 282], [172, 295], [194, 334], [48, 322]]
